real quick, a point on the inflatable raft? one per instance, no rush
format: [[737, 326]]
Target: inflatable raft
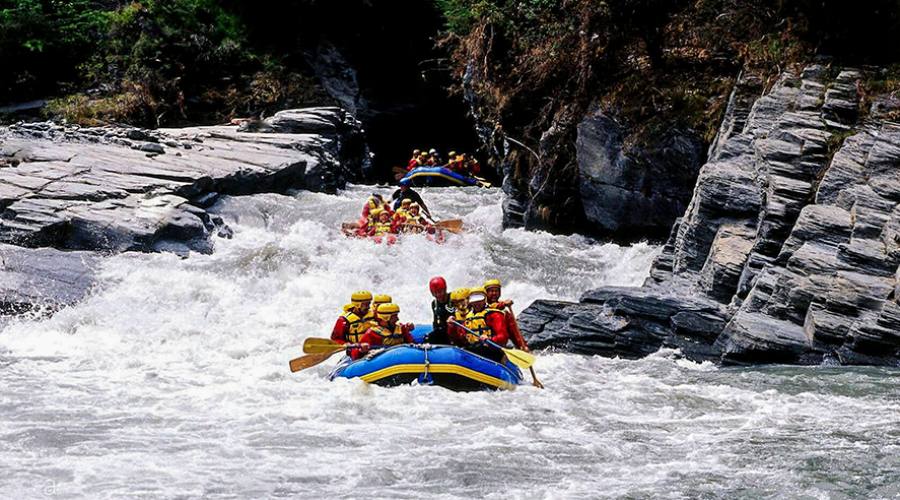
[[441, 176], [442, 365]]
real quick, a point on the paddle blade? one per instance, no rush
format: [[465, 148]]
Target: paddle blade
[[316, 345], [519, 358], [452, 225], [310, 360]]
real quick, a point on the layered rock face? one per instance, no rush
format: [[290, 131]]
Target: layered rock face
[[788, 251], [634, 189], [113, 189]]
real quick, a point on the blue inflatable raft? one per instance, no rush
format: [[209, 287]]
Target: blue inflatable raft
[[442, 365], [441, 176]]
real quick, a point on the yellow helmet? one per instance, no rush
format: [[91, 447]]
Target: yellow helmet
[[452, 154], [361, 296], [385, 311], [381, 299], [459, 294], [492, 283], [476, 294], [406, 202]]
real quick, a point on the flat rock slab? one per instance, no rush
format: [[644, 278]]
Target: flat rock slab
[[43, 278], [119, 189]]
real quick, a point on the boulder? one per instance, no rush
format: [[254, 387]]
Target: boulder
[[43, 279]]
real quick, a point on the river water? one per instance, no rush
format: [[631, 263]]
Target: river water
[[171, 380]]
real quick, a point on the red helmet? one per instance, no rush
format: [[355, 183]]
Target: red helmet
[[437, 284]]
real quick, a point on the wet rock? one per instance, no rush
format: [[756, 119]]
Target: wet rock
[[634, 188], [786, 253], [86, 189], [43, 279]]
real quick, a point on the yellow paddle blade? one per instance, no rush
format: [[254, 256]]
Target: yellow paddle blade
[[519, 358], [452, 225], [318, 345], [310, 360]]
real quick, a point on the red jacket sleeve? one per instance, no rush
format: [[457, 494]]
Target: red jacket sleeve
[[497, 322], [457, 335], [367, 338], [340, 331]]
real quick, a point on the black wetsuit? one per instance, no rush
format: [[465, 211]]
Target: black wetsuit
[[442, 313], [411, 195]]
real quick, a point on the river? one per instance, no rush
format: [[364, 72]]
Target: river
[[171, 380]]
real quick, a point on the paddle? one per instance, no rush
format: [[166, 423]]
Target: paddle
[[315, 345], [452, 225], [310, 360], [514, 325], [519, 358]]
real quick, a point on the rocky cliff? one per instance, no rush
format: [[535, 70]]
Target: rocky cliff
[[83, 192], [788, 251]]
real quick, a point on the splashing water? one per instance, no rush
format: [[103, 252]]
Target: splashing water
[[171, 380]]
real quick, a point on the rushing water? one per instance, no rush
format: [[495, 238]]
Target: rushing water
[[172, 381]]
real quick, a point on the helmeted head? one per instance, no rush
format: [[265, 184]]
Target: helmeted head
[[423, 155], [492, 290], [432, 152], [414, 208], [417, 152], [384, 216], [477, 299], [438, 287], [387, 314], [460, 298], [404, 184], [361, 300], [405, 203], [452, 155], [373, 203], [381, 298]]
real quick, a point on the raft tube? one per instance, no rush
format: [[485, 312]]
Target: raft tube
[[437, 176], [441, 365]]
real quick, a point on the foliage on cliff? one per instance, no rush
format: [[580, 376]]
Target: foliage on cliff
[[148, 62], [536, 67]]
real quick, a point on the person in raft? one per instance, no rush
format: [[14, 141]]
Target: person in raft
[[492, 290], [405, 192], [440, 310], [459, 303], [383, 227], [485, 324], [377, 300], [402, 211], [387, 331], [414, 162], [351, 325], [414, 222]]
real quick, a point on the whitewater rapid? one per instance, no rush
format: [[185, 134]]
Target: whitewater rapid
[[171, 380]]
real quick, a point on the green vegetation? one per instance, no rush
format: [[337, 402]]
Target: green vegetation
[[148, 62]]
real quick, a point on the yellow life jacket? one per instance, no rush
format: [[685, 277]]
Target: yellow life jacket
[[388, 337], [382, 228], [477, 323], [358, 326]]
